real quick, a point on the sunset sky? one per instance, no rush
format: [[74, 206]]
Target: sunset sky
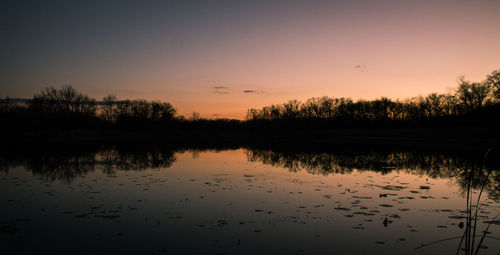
[[220, 58]]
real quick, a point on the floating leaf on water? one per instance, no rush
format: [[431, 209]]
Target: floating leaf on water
[[495, 222], [386, 205], [342, 209], [362, 197], [393, 187], [364, 213]]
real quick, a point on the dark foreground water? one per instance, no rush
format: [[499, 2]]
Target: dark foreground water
[[240, 202]]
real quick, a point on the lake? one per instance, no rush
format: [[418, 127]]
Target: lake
[[242, 201]]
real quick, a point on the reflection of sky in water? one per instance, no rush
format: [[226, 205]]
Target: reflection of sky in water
[[221, 203]]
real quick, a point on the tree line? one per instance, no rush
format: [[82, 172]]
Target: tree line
[[469, 97], [66, 108], [68, 101]]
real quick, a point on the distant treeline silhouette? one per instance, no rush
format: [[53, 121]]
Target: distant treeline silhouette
[[470, 100], [68, 109]]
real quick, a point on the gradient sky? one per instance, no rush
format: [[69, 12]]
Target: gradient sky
[[220, 58]]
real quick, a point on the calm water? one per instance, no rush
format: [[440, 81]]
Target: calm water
[[238, 202]]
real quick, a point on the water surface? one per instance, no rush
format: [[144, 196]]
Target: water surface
[[238, 202]]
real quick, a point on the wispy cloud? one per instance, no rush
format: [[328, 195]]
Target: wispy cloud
[[251, 91], [360, 68], [220, 90]]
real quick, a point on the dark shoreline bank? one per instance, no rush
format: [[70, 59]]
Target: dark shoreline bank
[[460, 138]]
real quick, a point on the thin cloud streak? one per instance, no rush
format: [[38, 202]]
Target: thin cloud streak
[[251, 91], [220, 90], [360, 68]]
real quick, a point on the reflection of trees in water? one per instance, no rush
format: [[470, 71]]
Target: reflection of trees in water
[[64, 167], [68, 166], [492, 181], [434, 165], [384, 162], [134, 160], [65, 162]]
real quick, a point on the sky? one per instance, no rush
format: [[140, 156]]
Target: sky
[[220, 58]]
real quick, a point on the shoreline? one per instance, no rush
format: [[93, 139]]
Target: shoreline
[[460, 138]]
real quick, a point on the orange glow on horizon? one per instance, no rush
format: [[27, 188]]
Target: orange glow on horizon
[[222, 59]]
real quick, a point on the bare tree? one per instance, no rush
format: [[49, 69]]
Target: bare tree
[[109, 107], [472, 94], [195, 116], [64, 100], [493, 80]]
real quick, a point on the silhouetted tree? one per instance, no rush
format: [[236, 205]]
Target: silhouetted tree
[[162, 111], [291, 109], [195, 116], [472, 95], [493, 80], [5, 105], [65, 100], [108, 107]]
